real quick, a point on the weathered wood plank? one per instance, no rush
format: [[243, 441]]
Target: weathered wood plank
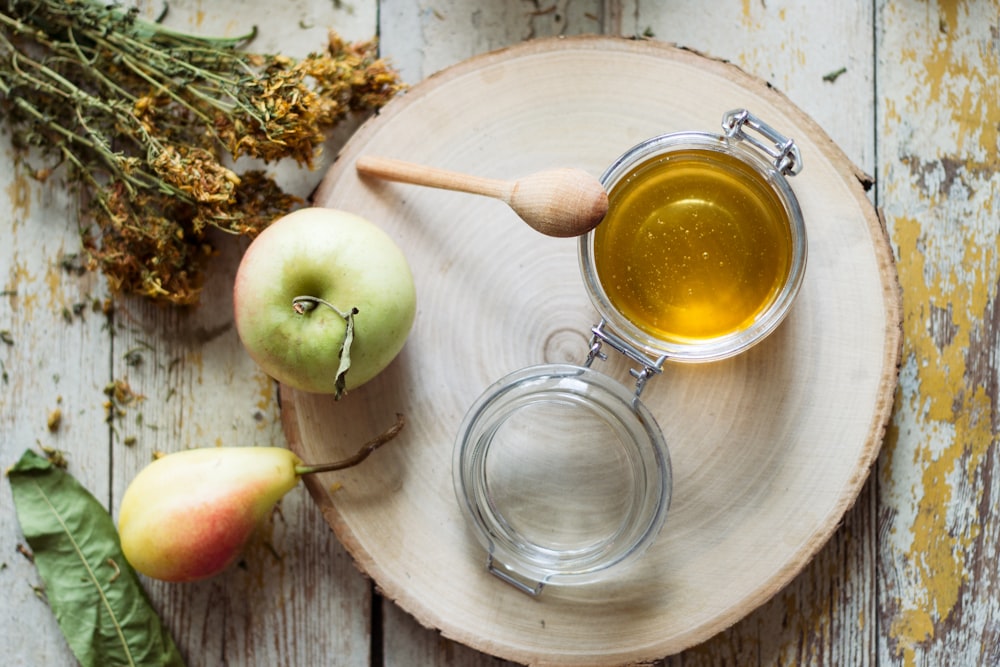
[[423, 38], [55, 358], [938, 125]]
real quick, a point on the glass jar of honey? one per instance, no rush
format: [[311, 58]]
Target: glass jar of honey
[[703, 248], [562, 471]]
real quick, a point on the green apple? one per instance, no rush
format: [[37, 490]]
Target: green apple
[[324, 300]]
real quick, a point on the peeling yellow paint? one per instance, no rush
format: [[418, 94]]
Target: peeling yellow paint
[[961, 74], [194, 358], [941, 202], [910, 628], [19, 194], [54, 282], [800, 56], [890, 112], [18, 278], [908, 55], [748, 19], [265, 394], [936, 557], [199, 15]]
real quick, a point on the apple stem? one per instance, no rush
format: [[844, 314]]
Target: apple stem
[[304, 304], [358, 457]]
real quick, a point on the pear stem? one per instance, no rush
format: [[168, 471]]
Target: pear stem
[[361, 454]]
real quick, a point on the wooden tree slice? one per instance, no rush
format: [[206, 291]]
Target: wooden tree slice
[[769, 449]]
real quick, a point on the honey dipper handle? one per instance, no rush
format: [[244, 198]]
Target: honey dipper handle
[[391, 169]]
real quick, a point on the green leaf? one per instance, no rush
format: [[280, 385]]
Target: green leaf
[[94, 593]]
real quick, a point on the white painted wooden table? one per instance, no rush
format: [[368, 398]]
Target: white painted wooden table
[[911, 576]]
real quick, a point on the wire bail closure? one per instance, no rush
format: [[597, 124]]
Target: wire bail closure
[[650, 365], [784, 152]]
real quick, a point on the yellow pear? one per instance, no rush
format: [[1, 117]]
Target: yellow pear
[[188, 515]]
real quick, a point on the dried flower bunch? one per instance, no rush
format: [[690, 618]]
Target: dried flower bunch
[[145, 120]]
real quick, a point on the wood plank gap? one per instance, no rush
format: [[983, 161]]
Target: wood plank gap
[[873, 605], [376, 656], [110, 422], [876, 200], [611, 17]]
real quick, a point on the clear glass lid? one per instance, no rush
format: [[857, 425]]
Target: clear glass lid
[[564, 475]]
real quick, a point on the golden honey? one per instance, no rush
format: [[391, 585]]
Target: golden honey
[[695, 245]]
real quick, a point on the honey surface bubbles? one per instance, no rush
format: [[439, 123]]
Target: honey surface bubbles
[[696, 244]]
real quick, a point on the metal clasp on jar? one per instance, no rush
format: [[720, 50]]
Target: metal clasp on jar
[[650, 365], [784, 152]]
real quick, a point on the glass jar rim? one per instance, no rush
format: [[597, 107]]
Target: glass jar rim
[[773, 314]]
